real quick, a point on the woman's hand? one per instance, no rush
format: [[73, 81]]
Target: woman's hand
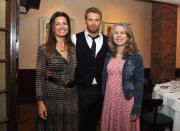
[[42, 110], [134, 117]]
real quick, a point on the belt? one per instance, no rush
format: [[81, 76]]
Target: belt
[[68, 84], [85, 85]]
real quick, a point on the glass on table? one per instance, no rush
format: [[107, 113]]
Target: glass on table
[[173, 84], [178, 84]]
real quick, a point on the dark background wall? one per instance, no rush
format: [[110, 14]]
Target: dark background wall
[[26, 89], [164, 41]]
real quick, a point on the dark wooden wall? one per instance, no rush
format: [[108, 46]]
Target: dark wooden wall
[[26, 82], [163, 45]]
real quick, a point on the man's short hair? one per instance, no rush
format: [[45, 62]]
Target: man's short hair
[[93, 10]]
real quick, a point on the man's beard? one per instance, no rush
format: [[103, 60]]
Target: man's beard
[[93, 31]]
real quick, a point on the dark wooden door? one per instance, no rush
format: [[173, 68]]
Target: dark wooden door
[[8, 65]]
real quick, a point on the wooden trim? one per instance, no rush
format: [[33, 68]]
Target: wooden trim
[[3, 91], [3, 60], [11, 67], [4, 29], [4, 121]]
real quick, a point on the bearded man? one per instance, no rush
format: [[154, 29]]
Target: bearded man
[[91, 49]]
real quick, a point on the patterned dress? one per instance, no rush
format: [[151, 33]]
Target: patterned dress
[[61, 102], [116, 109]]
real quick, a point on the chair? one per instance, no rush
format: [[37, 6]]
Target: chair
[[153, 119], [148, 88]]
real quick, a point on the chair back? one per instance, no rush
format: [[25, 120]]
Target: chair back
[[152, 118], [153, 104]]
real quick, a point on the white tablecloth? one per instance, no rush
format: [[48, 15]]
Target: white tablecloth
[[171, 102]]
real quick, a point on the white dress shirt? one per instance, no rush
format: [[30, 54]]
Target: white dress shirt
[[99, 43]]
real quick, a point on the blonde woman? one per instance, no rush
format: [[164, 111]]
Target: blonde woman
[[123, 77]]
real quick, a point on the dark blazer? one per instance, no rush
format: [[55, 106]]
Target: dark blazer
[[132, 79]]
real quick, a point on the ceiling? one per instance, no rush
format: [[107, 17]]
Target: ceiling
[[176, 2]]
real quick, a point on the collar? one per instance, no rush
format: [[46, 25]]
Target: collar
[[86, 34]]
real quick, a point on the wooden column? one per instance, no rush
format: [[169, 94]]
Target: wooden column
[[163, 48]]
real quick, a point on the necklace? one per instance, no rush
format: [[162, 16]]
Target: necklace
[[62, 50]]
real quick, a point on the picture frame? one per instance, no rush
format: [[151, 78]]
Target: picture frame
[[44, 29], [106, 28]]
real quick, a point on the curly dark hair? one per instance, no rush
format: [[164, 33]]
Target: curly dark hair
[[50, 45], [130, 46]]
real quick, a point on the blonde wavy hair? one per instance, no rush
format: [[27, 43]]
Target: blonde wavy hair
[[130, 46]]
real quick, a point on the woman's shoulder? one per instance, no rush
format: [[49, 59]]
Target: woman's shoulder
[[41, 46], [72, 49], [41, 49], [108, 54], [136, 55]]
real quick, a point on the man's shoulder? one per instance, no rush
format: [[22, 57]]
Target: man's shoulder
[[104, 35], [80, 36], [80, 33]]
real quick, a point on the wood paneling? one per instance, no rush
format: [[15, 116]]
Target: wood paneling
[[27, 116], [163, 46], [26, 90]]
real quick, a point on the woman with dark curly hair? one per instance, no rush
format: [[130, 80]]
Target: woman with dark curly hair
[[123, 77], [56, 94]]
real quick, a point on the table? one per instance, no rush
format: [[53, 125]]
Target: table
[[171, 102]]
